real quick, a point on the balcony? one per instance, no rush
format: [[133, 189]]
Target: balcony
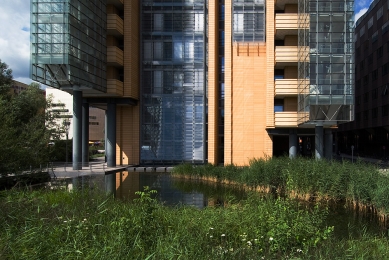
[[115, 87], [288, 55], [114, 56], [287, 24], [285, 119], [114, 25], [285, 87]]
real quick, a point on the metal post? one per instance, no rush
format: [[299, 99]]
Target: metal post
[[77, 129], [111, 135], [319, 141]]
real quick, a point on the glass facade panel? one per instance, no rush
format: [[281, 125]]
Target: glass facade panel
[[69, 43], [249, 20], [326, 67], [173, 82]]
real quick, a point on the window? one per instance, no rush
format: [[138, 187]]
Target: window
[[358, 100], [374, 93], [380, 13], [385, 110], [366, 115], [93, 123], [374, 37], [278, 105], [370, 22], [374, 74], [362, 65], [93, 117], [366, 97], [366, 79], [358, 83], [374, 112], [358, 116], [385, 69], [384, 91], [362, 31], [380, 52], [370, 59], [385, 27]]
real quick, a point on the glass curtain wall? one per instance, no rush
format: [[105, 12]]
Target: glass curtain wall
[[173, 81], [326, 77], [68, 43], [249, 20]]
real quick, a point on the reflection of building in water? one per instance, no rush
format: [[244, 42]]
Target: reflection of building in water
[[127, 183]]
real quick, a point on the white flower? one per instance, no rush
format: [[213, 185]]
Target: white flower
[[211, 228], [211, 236], [249, 243], [271, 239], [223, 235], [64, 221], [299, 251]]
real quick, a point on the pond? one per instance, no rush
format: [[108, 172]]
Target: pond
[[173, 192]]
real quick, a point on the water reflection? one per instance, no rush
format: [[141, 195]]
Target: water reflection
[[173, 192]]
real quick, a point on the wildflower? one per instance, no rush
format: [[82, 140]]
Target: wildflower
[[271, 239], [64, 221], [231, 249], [249, 243], [210, 236], [299, 251], [256, 240], [223, 235], [211, 228], [84, 219]]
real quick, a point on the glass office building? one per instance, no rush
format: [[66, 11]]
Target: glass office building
[[173, 81], [326, 63], [69, 43]]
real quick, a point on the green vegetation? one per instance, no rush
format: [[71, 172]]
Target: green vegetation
[[27, 126], [88, 225], [307, 179]]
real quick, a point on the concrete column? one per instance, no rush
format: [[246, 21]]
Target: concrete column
[[85, 134], [319, 143], [328, 144], [110, 183], [110, 146], [293, 143], [77, 129]]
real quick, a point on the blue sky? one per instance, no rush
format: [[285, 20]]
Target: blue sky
[[15, 34]]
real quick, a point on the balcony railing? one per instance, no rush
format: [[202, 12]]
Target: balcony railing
[[114, 25], [114, 56], [285, 87], [114, 87], [285, 119], [286, 21]]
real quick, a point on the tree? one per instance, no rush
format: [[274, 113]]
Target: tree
[[26, 128], [5, 78]]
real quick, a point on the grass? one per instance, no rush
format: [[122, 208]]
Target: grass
[[307, 179], [87, 225]]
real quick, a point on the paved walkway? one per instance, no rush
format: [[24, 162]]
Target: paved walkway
[[97, 167]]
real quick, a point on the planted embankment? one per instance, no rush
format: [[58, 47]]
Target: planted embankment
[[358, 183]]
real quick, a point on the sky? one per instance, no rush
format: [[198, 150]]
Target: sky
[[15, 35]]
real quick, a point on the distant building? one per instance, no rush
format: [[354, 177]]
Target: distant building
[[63, 103], [18, 87], [368, 135]]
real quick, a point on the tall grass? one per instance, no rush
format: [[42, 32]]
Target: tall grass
[[88, 225], [359, 182]]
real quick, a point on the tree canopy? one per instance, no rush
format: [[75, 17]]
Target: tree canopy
[[27, 126]]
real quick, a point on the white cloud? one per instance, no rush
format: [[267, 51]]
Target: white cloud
[[15, 37], [362, 4], [360, 13]]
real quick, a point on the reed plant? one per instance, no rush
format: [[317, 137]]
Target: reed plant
[[305, 178]]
